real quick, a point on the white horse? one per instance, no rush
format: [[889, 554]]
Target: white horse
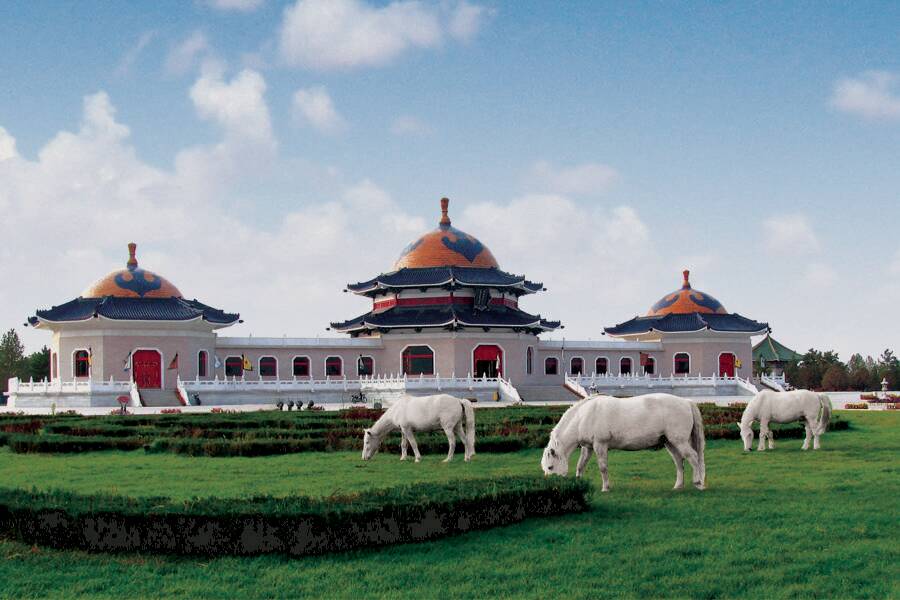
[[424, 413], [650, 421], [785, 407]]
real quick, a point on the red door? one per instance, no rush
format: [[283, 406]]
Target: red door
[[147, 369], [488, 361], [726, 365]]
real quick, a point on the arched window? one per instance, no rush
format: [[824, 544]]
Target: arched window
[[625, 366], [601, 366], [301, 366], [551, 365], [529, 360], [82, 364], [234, 366], [365, 365], [418, 360], [268, 366], [202, 360], [334, 366], [649, 365], [682, 363], [576, 365]]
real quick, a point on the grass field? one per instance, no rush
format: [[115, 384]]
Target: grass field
[[775, 524]]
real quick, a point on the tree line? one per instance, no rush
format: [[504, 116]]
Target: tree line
[[825, 371], [15, 363]]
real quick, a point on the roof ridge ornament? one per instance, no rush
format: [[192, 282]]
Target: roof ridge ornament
[[687, 280], [445, 218], [132, 259]]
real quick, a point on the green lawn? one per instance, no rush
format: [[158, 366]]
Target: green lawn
[[774, 524]]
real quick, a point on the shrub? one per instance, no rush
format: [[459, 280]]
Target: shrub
[[295, 525], [22, 444], [856, 405], [170, 411]]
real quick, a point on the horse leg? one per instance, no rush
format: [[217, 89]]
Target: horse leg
[[763, 434], [679, 465], [451, 441], [805, 445], [408, 434], [601, 451], [461, 434], [582, 461], [771, 440], [403, 444], [685, 450], [816, 436]]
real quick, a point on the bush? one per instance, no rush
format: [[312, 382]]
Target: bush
[[295, 525], [857, 405], [22, 444]]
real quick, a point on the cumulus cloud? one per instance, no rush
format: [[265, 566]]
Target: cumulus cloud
[[790, 234], [341, 34], [90, 193], [873, 95], [183, 56], [313, 105], [408, 125], [7, 145], [235, 5], [586, 178]]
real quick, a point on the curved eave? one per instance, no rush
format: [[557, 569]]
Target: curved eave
[[351, 327]]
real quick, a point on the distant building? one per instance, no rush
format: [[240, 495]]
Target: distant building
[[771, 356], [445, 316]]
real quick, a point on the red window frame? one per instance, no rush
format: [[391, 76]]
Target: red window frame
[[682, 363], [202, 361], [625, 361], [551, 360], [303, 363], [576, 360], [268, 366], [414, 353], [601, 365], [82, 364], [230, 370], [330, 363]]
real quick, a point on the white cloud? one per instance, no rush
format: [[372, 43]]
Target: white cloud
[[586, 178], [129, 58], [239, 105], [182, 57], [7, 145], [408, 125], [235, 5], [873, 94], [790, 234], [313, 105], [466, 20], [340, 34], [819, 275]]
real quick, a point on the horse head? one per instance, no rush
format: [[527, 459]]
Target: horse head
[[553, 462], [746, 435], [370, 444]]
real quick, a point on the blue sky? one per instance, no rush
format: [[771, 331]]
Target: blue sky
[[598, 147]]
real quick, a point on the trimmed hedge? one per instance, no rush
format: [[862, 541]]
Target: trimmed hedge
[[294, 525]]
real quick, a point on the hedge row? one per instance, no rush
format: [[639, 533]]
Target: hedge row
[[295, 525]]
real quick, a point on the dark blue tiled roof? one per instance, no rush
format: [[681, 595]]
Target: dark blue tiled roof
[[499, 316], [688, 322], [134, 309], [435, 276]]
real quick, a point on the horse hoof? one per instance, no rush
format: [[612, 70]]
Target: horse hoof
[[418, 460], [605, 490], [700, 486]]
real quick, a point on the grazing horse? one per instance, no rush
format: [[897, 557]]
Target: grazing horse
[[599, 423], [424, 413], [785, 407]]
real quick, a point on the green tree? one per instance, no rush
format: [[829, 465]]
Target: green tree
[[12, 358], [889, 368], [836, 378], [39, 364], [859, 374]]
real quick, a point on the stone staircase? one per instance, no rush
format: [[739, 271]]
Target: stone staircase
[[546, 393], [157, 398]]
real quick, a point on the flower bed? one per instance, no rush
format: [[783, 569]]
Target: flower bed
[[856, 406], [294, 525]]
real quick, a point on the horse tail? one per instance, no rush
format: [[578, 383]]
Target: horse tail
[[824, 414], [469, 413], [698, 439]]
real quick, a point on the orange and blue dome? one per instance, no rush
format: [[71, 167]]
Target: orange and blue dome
[[685, 301], [132, 282], [446, 246]]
